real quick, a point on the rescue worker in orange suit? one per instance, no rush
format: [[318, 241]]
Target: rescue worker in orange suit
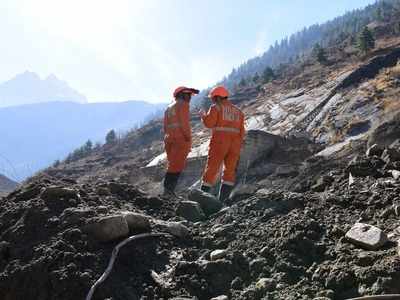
[[178, 136], [227, 124]]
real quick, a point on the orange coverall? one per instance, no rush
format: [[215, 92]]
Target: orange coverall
[[227, 123], [178, 135]]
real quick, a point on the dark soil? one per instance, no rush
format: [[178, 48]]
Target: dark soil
[[295, 239]]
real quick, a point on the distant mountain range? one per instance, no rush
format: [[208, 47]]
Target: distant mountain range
[[34, 136], [29, 88], [6, 184]]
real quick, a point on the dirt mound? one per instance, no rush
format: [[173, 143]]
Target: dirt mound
[[47, 253], [57, 236]]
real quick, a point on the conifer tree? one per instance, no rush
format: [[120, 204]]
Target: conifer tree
[[365, 41], [111, 137], [319, 54], [268, 74]]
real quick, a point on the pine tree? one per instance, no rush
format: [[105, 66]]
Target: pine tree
[[268, 74], [256, 77], [366, 41], [111, 137], [379, 13], [87, 148], [319, 54], [242, 82]]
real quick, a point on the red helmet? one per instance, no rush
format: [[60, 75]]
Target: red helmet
[[218, 91], [184, 89]]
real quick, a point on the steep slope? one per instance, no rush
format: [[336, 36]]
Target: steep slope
[[6, 185], [315, 213], [34, 136], [335, 105], [29, 88]]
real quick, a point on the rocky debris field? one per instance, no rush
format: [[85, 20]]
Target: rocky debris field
[[337, 239], [328, 230], [56, 238]]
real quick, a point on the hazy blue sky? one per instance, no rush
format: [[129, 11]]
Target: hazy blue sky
[[125, 49]]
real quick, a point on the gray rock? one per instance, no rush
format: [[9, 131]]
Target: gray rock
[[57, 192], [266, 284], [243, 191], [374, 150], [391, 155], [108, 228], [177, 229], [208, 203], [386, 133], [136, 221], [219, 274], [322, 183], [218, 254], [366, 236], [190, 210], [362, 166], [71, 215], [256, 265]]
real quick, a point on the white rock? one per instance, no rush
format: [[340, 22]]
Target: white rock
[[395, 174], [218, 254], [266, 284], [366, 236], [222, 297]]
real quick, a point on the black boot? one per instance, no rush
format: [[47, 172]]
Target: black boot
[[225, 192], [205, 188], [174, 180], [170, 183]]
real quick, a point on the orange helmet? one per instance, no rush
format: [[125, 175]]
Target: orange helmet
[[218, 91], [184, 89]]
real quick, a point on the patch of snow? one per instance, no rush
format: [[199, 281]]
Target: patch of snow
[[157, 160], [277, 113], [198, 151], [255, 122]]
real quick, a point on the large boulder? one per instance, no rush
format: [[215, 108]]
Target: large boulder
[[208, 203], [366, 236], [361, 166], [108, 228], [176, 229], [58, 192], [218, 254], [386, 133], [136, 221], [190, 210]]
